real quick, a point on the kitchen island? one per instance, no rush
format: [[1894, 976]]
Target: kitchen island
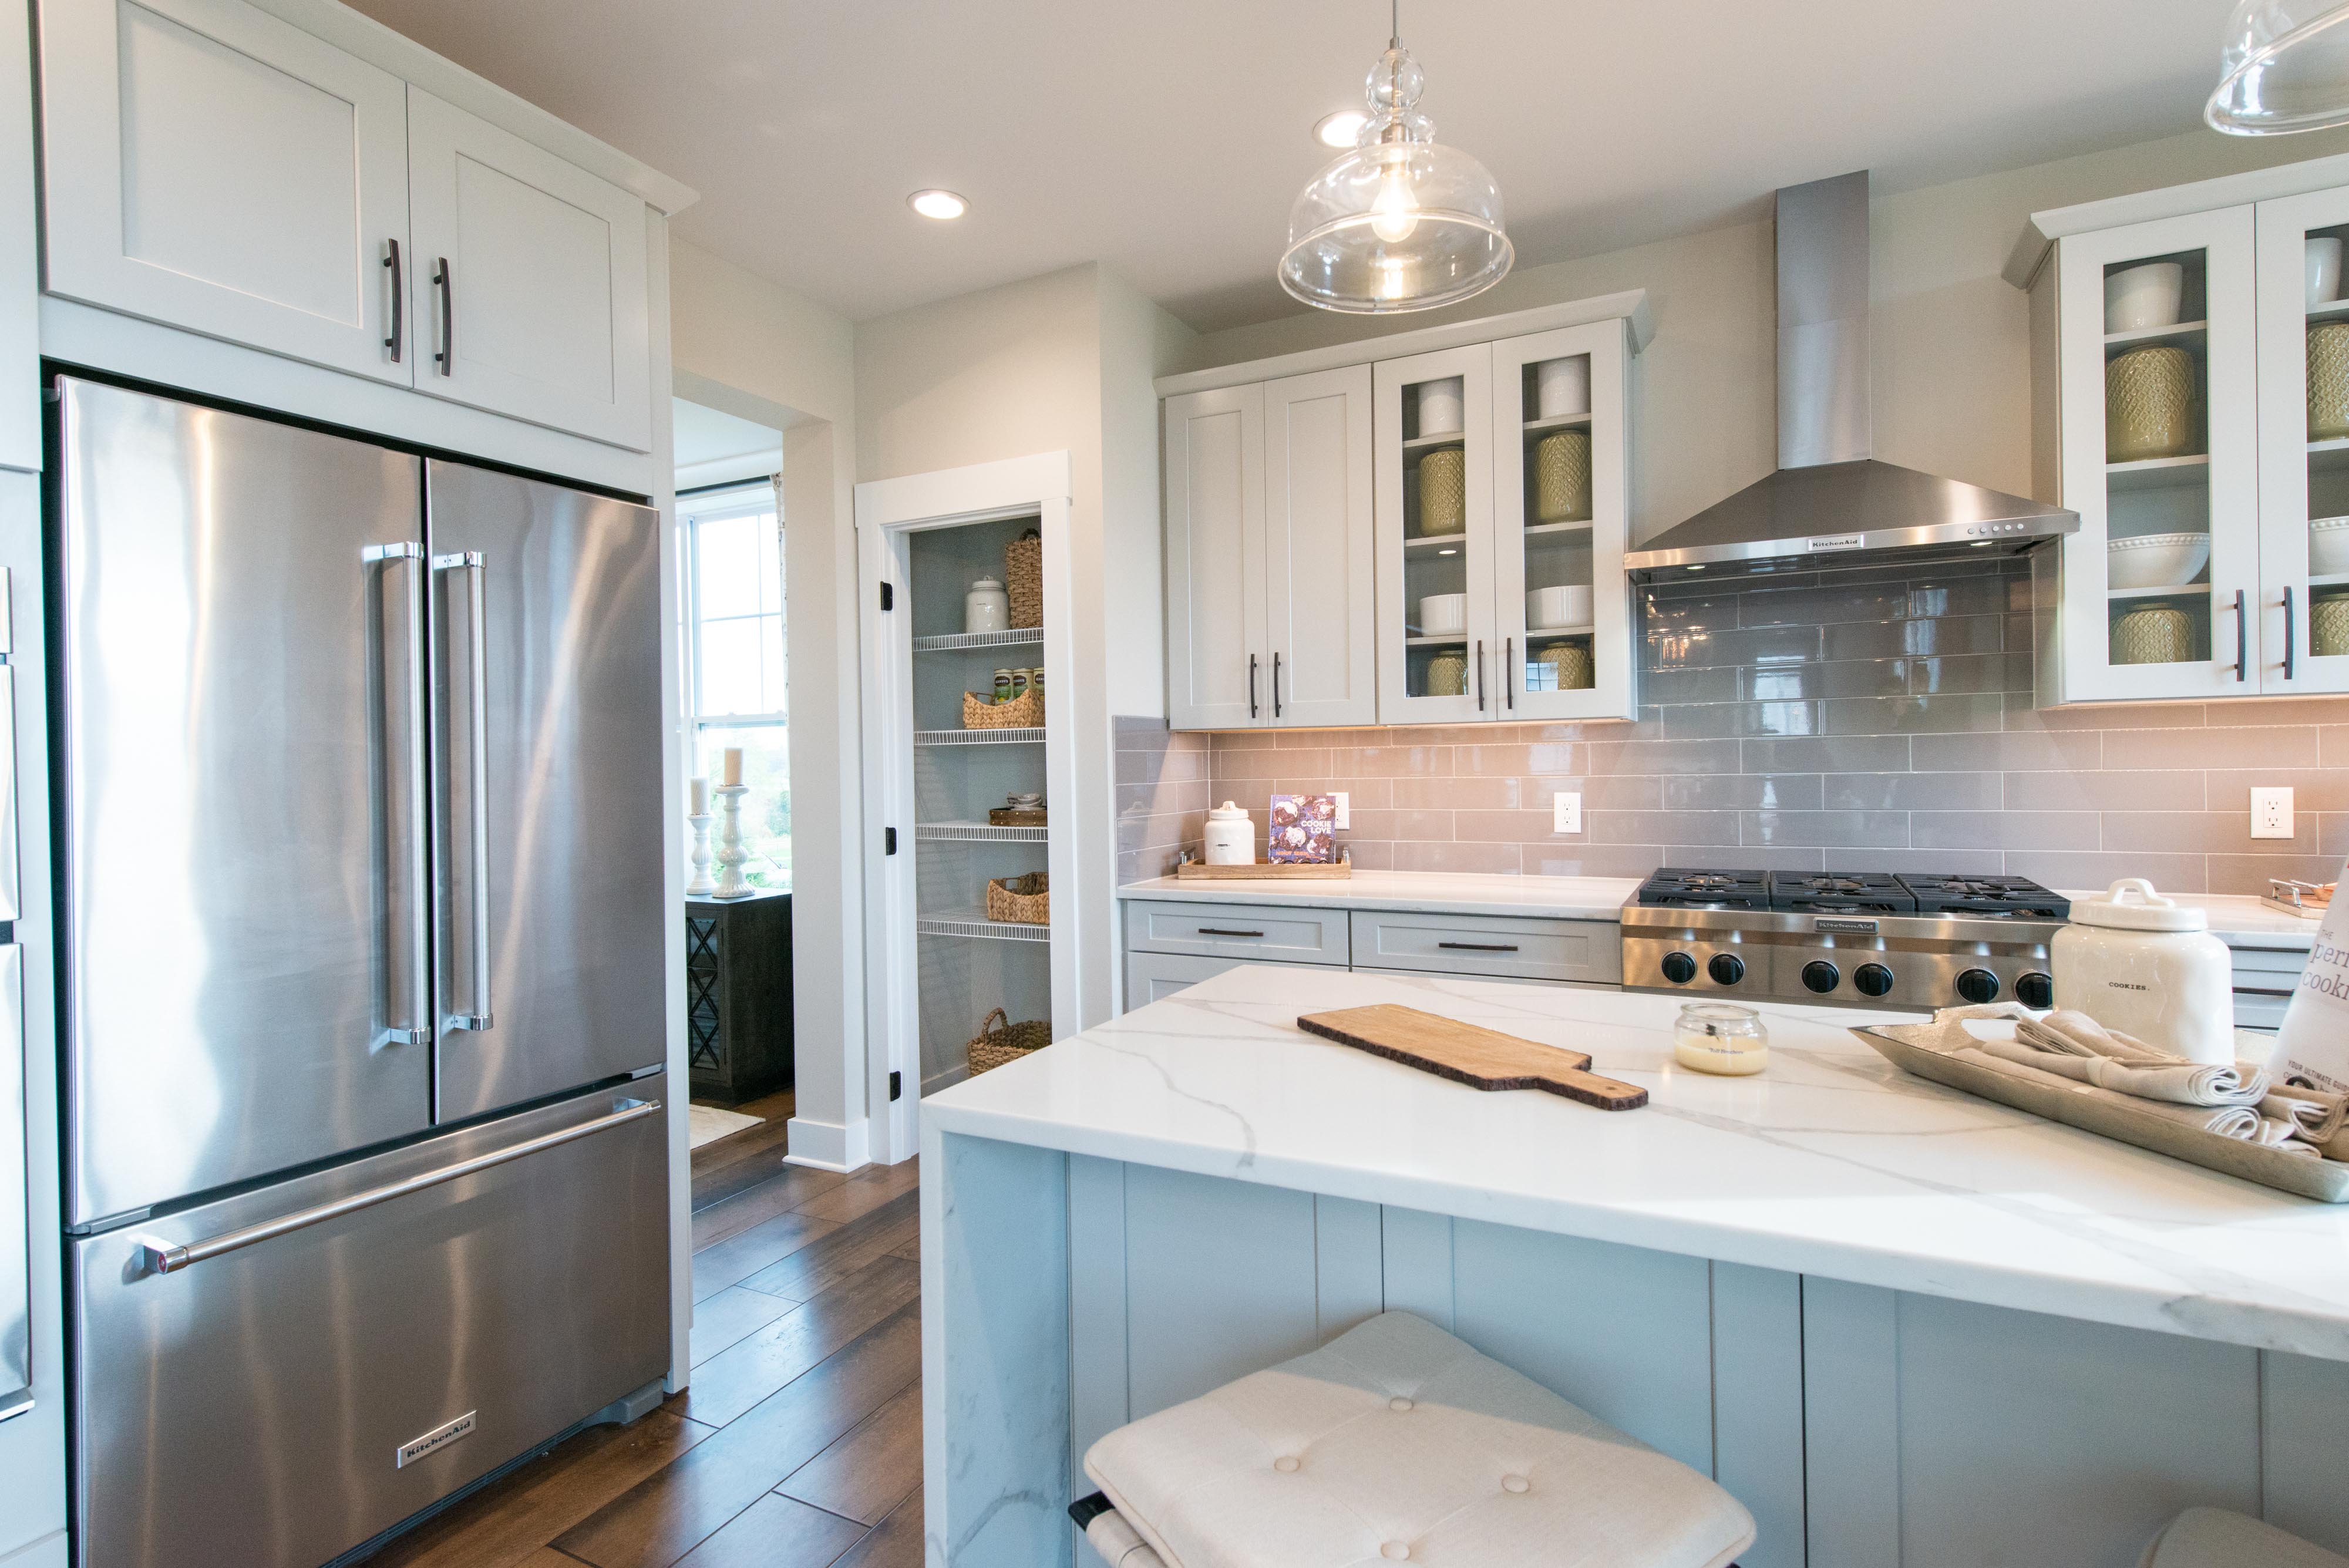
[[1902, 1325]]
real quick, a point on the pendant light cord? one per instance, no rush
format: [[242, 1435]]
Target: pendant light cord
[[1394, 24]]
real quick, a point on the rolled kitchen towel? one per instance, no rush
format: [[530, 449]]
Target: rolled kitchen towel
[[2315, 1115], [2239, 1122], [2078, 1047]]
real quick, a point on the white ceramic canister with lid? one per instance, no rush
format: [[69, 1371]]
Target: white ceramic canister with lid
[[1231, 836], [2144, 965], [987, 608]]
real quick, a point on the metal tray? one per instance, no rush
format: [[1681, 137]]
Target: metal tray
[[2325, 1180]]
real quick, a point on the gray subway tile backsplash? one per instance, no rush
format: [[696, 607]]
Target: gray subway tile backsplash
[[1872, 720]]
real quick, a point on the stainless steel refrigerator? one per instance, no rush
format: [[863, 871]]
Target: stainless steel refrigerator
[[359, 768]]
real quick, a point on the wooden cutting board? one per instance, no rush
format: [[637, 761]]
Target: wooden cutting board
[[1480, 1058]]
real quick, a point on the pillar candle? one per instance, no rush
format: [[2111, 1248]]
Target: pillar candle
[[733, 772], [701, 797]]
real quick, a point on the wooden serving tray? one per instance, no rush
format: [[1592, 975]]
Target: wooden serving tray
[[1465, 1054], [2109, 1115], [1266, 871]]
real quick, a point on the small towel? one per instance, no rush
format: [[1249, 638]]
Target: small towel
[[2239, 1122], [2123, 1063], [2317, 1114]]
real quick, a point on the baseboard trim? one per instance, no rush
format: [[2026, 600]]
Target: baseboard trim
[[828, 1146]]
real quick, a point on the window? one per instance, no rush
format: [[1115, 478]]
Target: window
[[736, 676]]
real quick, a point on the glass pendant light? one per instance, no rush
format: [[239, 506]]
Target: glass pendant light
[[2284, 66], [1400, 223]]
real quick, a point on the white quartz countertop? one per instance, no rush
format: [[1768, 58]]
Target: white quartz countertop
[[2238, 918], [1832, 1163]]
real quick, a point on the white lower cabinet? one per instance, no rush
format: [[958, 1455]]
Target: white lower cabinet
[[1153, 977]]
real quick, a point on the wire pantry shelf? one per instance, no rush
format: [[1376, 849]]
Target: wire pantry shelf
[[1033, 734], [980, 831], [975, 923], [1017, 636]]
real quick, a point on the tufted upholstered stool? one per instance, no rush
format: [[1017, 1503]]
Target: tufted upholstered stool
[[2214, 1538], [1397, 1442]]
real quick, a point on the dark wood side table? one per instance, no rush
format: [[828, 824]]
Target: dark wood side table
[[737, 996]]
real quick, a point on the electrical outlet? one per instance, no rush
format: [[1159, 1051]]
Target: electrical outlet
[[2271, 812], [1345, 817], [1566, 811]]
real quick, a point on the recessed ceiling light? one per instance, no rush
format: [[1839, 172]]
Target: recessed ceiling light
[[940, 204], [1339, 130]]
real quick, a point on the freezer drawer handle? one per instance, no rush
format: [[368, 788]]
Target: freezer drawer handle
[[156, 1256], [470, 562], [417, 1031]]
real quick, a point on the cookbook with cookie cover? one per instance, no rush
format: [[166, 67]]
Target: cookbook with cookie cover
[[2312, 1043], [1303, 829]]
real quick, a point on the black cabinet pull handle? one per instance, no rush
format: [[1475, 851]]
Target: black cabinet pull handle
[[2287, 634], [1480, 675], [1276, 686], [448, 355], [1482, 947], [399, 301], [1219, 931], [1509, 672], [2242, 638], [1251, 685]]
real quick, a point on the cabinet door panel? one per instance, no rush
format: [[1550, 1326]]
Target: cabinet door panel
[[2130, 477], [1320, 593], [541, 313], [1431, 670], [1217, 658], [2303, 593], [213, 168]]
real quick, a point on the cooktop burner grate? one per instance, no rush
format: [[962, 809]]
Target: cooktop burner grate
[[1681, 888], [1985, 897], [1839, 893]]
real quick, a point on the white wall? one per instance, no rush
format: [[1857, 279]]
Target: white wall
[[756, 349]]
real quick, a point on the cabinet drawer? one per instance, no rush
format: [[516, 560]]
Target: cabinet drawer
[[2259, 1010], [1240, 932], [1590, 951], [2269, 969], [1153, 977]]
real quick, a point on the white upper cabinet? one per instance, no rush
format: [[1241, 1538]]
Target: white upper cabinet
[[1319, 591], [210, 166], [2303, 312], [1438, 640], [527, 283], [1215, 652]]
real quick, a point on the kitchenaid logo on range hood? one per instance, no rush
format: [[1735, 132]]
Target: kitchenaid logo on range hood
[[439, 1437], [1838, 542]]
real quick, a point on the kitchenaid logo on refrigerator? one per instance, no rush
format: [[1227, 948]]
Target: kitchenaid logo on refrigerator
[[439, 1437]]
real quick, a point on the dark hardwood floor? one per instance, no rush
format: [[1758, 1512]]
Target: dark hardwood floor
[[798, 1444]]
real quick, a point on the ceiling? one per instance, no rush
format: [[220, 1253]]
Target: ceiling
[[1168, 140], [713, 447]]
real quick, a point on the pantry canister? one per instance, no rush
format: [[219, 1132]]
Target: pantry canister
[[2150, 405], [2328, 381], [1561, 477], [1230, 837], [2142, 964], [2156, 634], [987, 608], [1443, 492]]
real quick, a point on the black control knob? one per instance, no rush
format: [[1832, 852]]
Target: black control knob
[[1679, 967], [2035, 991], [1726, 969], [1978, 986], [1821, 976], [1872, 978]]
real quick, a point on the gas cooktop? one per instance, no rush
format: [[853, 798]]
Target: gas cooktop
[[1863, 939]]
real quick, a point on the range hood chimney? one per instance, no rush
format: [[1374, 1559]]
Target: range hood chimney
[[1830, 503]]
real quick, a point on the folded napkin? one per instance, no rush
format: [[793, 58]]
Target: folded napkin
[[2315, 1115], [2084, 1049], [2239, 1122]]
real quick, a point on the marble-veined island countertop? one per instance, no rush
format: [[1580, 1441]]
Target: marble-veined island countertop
[[1833, 1164]]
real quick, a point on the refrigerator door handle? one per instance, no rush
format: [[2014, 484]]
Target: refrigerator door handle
[[477, 618], [154, 1255], [419, 1031]]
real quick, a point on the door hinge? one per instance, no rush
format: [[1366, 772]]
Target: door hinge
[[888, 841], [888, 596], [896, 1086]]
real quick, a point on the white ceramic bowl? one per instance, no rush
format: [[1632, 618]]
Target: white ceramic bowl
[[2156, 560], [1547, 609], [1442, 407], [1562, 386], [2139, 298], [1440, 615], [2328, 546], [2324, 271]]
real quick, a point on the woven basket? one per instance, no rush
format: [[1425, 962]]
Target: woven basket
[[1023, 578], [991, 1047], [1013, 817], [1562, 478], [1024, 900], [1020, 713]]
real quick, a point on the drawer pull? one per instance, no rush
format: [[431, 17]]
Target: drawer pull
[[1482, 947], [1219, 931]]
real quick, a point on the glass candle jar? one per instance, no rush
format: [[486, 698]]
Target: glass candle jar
[[1721, 1037]]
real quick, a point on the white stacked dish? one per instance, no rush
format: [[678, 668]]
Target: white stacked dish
[[2139, 298], [1557, 609], [1441, 615], [2328, 546], [2156, 560]]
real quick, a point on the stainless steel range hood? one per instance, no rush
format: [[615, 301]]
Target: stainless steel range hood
[[1830, 503]]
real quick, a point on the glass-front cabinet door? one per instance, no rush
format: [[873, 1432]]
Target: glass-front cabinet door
[[1434, 439], [1560, 523], [2303, 312], [2160, 421]]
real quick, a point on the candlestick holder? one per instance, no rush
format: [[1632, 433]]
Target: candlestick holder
[[700, 887], [731, 853]]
